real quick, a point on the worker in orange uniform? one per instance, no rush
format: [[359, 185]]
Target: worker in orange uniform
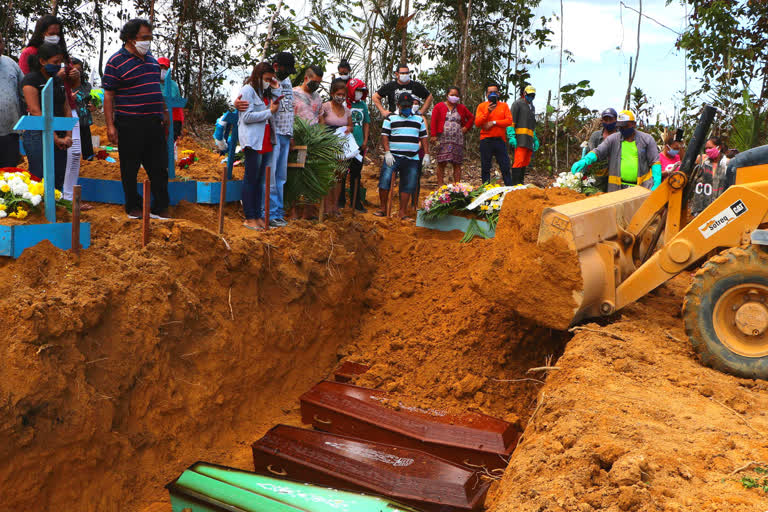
[[493, 117], [522, 134]]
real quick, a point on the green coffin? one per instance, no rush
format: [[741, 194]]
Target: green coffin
[[210, 488]]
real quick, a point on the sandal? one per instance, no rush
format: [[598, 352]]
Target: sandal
[[406, 219], [254, 228], [380, 213]]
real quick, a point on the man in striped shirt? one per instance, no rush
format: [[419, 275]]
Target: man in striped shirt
[[401, 135], [137, 117]]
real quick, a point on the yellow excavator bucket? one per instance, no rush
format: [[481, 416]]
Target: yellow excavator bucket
[[594, 228]]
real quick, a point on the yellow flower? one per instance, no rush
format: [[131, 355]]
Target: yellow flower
[[484, 207], [5, 188], [496, 197], [2, 207], [57, 194]]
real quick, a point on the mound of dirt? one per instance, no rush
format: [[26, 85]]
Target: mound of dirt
[[123, 367], [639, 424], [535, 281], [437, 341]]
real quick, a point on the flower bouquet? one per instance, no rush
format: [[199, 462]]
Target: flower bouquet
[[578, 182], [21, 192], [454, 199]]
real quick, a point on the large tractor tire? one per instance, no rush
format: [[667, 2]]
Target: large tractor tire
[[726, 312]]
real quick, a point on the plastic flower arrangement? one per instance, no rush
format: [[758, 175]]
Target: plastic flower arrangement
[[20, 191], [578, 182], [453, 199]]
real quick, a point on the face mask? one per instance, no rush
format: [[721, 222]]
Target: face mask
[[493, 97], [51, 69], [406, 111], [142, 47], [281, 75], [265, 85], [673, 152], [163, 74], [713, 153], [453, 99], [339, 99], [405, 78], [627, 132], [358, 95], [312, 85], [52, 39], [529, 97], [611, 127], [344, 77]]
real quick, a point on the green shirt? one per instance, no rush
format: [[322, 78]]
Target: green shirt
[[360, 116], [629, 163]]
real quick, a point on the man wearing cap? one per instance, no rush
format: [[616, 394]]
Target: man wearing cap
[[178, 112], [600, 169], [401, 136], [633, 156], [522, 134]]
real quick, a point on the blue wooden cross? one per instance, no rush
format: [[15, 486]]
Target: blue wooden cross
[[47, 124], [172, 100]]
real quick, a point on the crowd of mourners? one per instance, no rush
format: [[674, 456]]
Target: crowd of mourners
[[137, 119]]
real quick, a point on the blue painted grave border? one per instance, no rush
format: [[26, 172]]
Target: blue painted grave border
[[14, 239]]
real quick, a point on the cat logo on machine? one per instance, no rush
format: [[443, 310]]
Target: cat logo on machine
[[722, 219]]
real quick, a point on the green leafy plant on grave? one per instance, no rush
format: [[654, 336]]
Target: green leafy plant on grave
[[324, 149], [759, 481]]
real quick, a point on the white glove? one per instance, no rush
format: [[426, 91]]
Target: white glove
[[389, 159], [426, 161], [222, 145]]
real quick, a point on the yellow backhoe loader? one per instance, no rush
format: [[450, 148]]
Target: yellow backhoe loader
[[725, 310]]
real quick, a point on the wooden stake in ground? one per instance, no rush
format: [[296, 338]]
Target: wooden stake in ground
[[76, 195], [391, 193], [355, 183], [266, 197], [222, 198], [145, 215]]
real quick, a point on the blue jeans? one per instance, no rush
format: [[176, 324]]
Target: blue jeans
[[278, 176], [409, 174], [490, 147], [253, 183], [33, 147]]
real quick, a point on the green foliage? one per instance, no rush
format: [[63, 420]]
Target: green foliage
[[748, 128], [313, 181]]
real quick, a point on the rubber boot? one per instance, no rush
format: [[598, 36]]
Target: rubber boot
[[518, 175]]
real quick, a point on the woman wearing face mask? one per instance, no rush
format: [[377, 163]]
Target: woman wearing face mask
[[46, 64], [670, 157], [48, 29], [710, 179], [335, 114], [450, 121], [257, 139]]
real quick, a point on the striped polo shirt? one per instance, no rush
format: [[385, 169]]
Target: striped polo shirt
[[136, 83], [404, 134]]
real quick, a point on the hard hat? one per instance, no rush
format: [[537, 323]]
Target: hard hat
[[530, 90], [625, 116], [609, 112]]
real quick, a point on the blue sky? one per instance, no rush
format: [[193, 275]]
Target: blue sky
[[602, 36]]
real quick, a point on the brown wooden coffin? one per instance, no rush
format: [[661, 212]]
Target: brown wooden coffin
[[411, 476], [348, 370], [471, 439]]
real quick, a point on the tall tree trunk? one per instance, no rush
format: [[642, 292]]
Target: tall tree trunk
[[633, 72], [179, 30], [270, 28], [404, 40], [100, 19], [465, 51], [559, 84], [152, 11], [54, 7]]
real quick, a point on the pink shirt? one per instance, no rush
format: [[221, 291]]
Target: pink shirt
[[665, 161], [307, 106], [331, 119]]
